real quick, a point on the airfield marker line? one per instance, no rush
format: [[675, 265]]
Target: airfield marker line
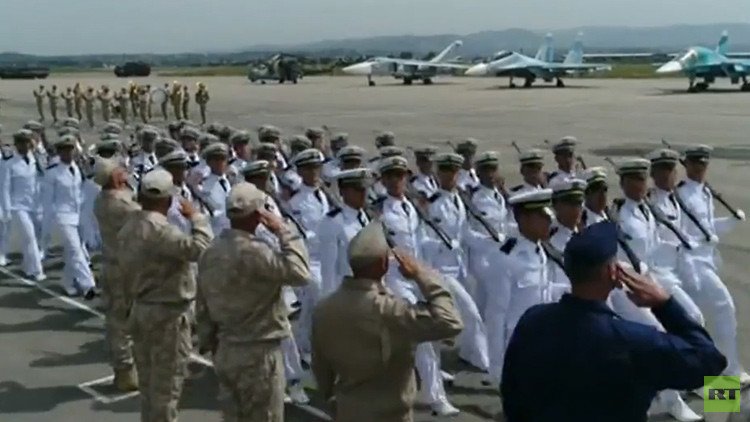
[[101, 398], [318, 413]]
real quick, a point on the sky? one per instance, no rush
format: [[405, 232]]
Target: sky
[[53, 27]]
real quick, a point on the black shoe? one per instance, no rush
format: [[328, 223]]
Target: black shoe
[[90, 294]]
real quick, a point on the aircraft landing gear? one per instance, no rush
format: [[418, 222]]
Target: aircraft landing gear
[[560, 83], [699, 87], [407, 81], [370, 82], [528, 82], [427, 81], [745, 86], [511, 84]]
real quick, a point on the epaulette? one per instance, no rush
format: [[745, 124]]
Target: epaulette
[[508, 245], [553, 231], [7, 157], [412, 179], [516, 188], [552, 174], [618, 203], [51, 166], [334, 212], [434, 197], [373, 159], [379, 201], [473, 189], [292, 192], [682, 183]]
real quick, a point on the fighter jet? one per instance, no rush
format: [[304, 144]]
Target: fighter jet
[[280, 67], [512, 64], [702, 62], [407, 70]]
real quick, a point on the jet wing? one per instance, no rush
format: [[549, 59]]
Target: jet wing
[[421, 63], [579, 67]]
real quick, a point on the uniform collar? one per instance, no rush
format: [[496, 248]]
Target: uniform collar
[[525, 243], [349, 211], [305, 188], [631, 203], [602, 214], [660, 193], [363, 284], [693, 184], [564, 230], [568, 300]]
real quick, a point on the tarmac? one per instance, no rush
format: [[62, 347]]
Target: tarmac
[[54, 364]]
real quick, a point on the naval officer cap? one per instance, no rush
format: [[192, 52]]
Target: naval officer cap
[[425, 153], [487, 159], [256, 168], [266, 150], [595, 177], [216, 149], [564, 145], [112, 128], [176, 157], [190, 132], [67, 141], [355, 178], [149, 134], [391, 151], [207, 139], [158, 183], [23, 135], [268, 133], [535, 200], [110, 145], [103, 169], [368, 246], [633, 167], [569, 190], [241, 137], [226, 132], [71, 122], [33, 126], [531, 156], [300, 143], [385, 139], [109, 137], [165, 145], [68, 130], [594, 246], [449, 160], [351, 153], [663, 156], [700, 153], [467, 146], [314, 133], [339, 139], [309, 157], [244, 199], [393, 164]]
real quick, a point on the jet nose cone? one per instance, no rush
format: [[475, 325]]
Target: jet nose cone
[[477, 70], [670, 67], [358, 69]]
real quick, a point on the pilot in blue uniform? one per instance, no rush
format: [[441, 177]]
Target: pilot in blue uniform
[[577, 360]]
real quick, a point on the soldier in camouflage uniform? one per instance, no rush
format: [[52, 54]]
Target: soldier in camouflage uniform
[[112, 207], [201, 98], [176, 98], [162, 285], [78, 100], [185, 97], [105, 97], [39, 97], [54, 96], [144, 99], [69, 98], [244, 319], [123, 98], [89, 97]]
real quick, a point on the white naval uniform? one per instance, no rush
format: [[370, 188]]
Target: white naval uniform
[[467, 179], [424, 184], [20, 196], [142, 163], [62, 197], [89, 227], [590, 217], [559, 282], [335, 232], [524, 187], [215, 190], [331, 169], [309, 206], [400, 219], [702, 281], [448, 212], [559, 176], [5, 214]]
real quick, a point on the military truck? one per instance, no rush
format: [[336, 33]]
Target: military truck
[[23, 72], [130, 69]]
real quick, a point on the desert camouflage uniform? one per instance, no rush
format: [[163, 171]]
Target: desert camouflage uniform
[[89, 98], [176, 99], [78, 101], [111, 209], [69, 98], [39, 97], [144, 99], [123, 98], [158, 256], [185, 101], [106, 99], [201, 98]]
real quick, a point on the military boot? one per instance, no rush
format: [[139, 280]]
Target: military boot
[[126, 379]]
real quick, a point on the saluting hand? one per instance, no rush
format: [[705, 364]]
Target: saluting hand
[[187, 209], [643, 290], [407, 264], [272, 222]]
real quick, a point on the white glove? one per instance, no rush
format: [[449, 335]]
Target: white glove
[[693, 245], [741, 215], [714, 239]]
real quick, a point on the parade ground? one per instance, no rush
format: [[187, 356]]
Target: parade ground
[[54, 365]]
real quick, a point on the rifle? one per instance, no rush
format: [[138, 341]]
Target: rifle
[[478, 216], [579, 158], [553, 254], [661, 218], [286, 214], [716, 194], [635, 262], [200, 199], [431, 224], [515, 145]]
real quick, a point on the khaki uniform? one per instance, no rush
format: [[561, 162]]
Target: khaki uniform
[[106, 99], [69, 98], [363, 344], [158, 257], [201, 98], [164, 104], [133, 92], [123, 98], [78, 101], [185, 102], [39, 97], [176, 98], [244, 319], [89, 97], [54, 97], [111, 208], [144, 100]]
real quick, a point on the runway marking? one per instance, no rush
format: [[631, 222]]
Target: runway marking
[[318, 413], [101, 398]]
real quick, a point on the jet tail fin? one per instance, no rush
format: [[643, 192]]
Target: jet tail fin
[[723, 45], [575, 55], [546, 51], [443, 54]]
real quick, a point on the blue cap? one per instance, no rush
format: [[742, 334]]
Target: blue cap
[[594, 246]]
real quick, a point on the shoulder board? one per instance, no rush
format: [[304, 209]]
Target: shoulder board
[[7, 157], [379, 200], [618, 202], [434, 197], [334, 212], [473, 189], [293, 192], [373, 159], [412, 179], [584, 217], [553, 231], [508, 245], [152, 169], [552, 174], [51, 166], [327, 160], [682, 183], [516, 188]]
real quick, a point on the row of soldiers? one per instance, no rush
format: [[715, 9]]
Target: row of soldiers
[[133, 98], [495, 253]]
